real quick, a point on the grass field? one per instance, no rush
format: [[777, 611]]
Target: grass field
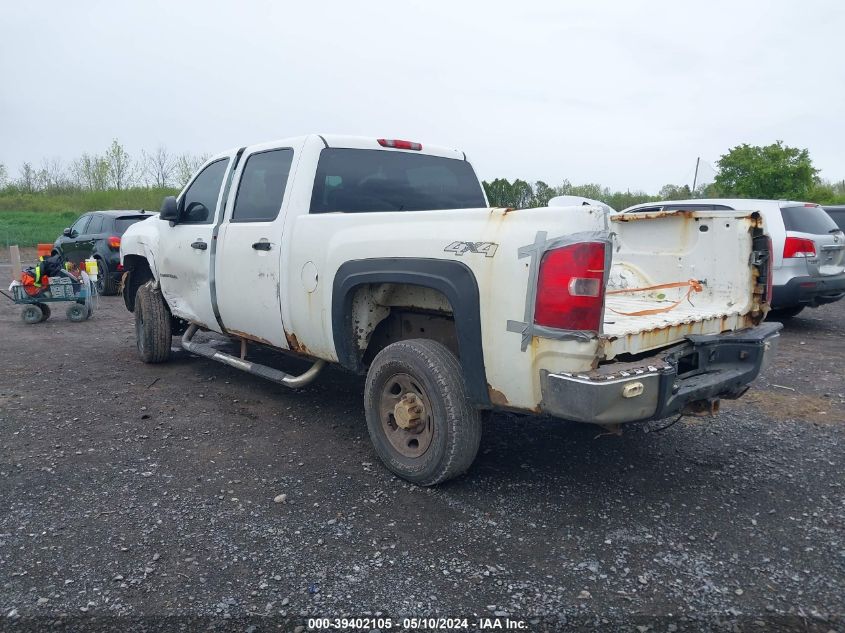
[[27, 228], [29, 218]]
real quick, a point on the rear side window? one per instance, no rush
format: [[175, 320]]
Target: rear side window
[[200, 200], [96, 225], [837, 214], [361, 180], [262, 186], [803, 219], [124, 222]]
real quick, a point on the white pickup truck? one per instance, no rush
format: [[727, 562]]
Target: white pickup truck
[[384, 257]]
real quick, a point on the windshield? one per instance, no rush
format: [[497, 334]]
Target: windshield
[[803, 219], [359, 180], [123, 223]]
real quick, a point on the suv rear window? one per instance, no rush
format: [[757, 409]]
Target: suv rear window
[[356, 180], [807, 220], [124, 222]]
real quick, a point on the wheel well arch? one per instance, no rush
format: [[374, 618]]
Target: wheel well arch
[[138, 272], [454, 281]]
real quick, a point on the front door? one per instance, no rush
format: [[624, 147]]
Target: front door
[[248, 260], [185, 248], [71, 250]]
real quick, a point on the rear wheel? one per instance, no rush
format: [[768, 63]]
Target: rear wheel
[[152, 325], [784, 313], [420, 420], [32, 314], [106, 285], [78, 312], [45, 311]]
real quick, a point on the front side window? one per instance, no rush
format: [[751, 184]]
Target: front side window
[[262, 186], [80, 225], [199, 203], [362, 180]]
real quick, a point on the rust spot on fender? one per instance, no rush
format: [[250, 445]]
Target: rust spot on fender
[[497, 397], [295, 345]]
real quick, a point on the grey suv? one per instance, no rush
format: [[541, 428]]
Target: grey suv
[[808, 248]]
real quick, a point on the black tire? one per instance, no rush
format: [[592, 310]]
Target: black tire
[[152, 325], [780, 314], [45, 311], [453, 424], [32, 314], [77, 312], [106, 285]]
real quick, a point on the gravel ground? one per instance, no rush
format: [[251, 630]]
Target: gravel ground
[[134, 492]]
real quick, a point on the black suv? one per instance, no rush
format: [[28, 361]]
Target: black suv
[[97, 234]]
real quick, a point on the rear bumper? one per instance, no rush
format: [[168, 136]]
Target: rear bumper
[[809, 291], [687, 377]]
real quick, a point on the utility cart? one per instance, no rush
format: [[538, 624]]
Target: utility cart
[[79, 292]]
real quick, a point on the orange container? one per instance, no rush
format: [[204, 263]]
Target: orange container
[[44, 250]]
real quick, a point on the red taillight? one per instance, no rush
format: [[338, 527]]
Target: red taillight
[[569, 287], [798, 247], [114, 242], [397, 144], [120, 268]]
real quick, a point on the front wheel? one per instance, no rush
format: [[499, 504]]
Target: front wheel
[[152, 325], [419, 417], [32, 314]]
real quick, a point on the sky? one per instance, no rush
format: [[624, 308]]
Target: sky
[[626, 93]]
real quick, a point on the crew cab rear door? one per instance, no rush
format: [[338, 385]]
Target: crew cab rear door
[[248, 259]]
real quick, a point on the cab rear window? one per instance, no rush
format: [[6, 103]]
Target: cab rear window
[[362, 180], [803, 219]]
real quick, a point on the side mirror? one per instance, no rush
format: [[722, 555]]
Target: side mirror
[[66, 232], [169, 209]]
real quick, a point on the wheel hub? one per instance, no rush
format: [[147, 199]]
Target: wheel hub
[[409, 411], [405, 413]]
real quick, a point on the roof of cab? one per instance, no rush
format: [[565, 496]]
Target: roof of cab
[[352, 142]]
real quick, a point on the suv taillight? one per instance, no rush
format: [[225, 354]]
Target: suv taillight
[[798, 247], [570, 287], [114, 242]]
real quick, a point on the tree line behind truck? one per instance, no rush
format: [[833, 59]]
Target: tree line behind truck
[[773, 172]]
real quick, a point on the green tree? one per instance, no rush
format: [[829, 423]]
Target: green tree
[[773, 171], [514, 195], [674, 192], [120, 167]]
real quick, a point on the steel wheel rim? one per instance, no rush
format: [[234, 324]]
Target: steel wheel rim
[[410, 443]]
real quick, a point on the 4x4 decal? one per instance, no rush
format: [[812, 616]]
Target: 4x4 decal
[[488, 249]]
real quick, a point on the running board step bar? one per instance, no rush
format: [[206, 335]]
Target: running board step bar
[[279, 377]]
